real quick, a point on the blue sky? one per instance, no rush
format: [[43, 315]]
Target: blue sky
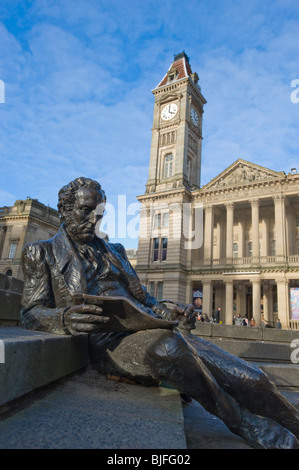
[[78, 76]]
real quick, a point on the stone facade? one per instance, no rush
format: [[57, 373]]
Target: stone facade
[[26, 221], [244, 254]]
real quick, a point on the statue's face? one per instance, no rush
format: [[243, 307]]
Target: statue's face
[[82, 219]]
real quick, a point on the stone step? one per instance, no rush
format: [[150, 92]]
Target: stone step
[[32, 359], [285, 376], [87, 411], [255, 350]]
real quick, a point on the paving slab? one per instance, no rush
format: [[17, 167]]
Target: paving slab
[[87, 411]]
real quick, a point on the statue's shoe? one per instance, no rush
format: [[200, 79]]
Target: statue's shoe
[[264, 433]]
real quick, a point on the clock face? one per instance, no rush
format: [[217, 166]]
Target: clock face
[[194, 116], [169, 111]]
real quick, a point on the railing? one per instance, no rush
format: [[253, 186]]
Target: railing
[[294, 324], [291, 260]]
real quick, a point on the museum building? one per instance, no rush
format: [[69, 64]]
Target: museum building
[[232, 243], [26, 221]]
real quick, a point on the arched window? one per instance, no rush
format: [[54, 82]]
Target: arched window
[[168, 165], [8, 272]]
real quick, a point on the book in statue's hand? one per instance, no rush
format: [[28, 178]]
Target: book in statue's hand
[[124, 314]]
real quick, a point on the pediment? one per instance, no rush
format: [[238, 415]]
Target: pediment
[[168, 97], [242, 172]]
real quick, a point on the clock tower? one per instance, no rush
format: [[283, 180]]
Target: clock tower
[[173, 181], [175, 158]]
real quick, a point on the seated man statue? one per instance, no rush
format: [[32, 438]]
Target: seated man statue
[[76, 260]]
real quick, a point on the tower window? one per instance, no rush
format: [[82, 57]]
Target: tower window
[[160, 249], [157, 221], [156, 249], [168, 166], [164, 249], [189, 169]]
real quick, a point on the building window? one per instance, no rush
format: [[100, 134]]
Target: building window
[[160, 249], [273, 248], [9, 273], [250, 249], [165, 219], [12, 250], [156, 249], [152, 288], [160, 291], [297, 246], [168, 165], [163, 248], [235, 250], [157, 221]]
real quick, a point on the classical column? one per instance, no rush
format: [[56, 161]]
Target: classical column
[[270, 303], [207, 297], [280, 224], [229, 231], [256, 301], [283, 302], [255, 230], [208, 235], [229, 302], [266, 303]]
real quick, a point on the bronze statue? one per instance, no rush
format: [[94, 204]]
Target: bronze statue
[[75, 261]]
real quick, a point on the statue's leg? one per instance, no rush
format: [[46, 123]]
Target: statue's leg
[[153, 356], [248, 384]]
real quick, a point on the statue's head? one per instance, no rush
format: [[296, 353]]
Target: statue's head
[[81, 206]]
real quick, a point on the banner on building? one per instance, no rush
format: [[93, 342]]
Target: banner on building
[[294, 299], [197, 299]]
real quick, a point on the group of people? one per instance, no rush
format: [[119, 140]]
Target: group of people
[[215, 318], [243, 321]]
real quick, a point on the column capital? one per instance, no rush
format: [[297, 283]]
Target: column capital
[[255, 202], [209, 207], [278, 198], [229, 205], [282, 281]]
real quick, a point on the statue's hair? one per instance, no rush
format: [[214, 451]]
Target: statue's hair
[[67, 194]]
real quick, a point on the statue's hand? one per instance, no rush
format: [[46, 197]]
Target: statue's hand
[[187, 316], [81, 319]]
